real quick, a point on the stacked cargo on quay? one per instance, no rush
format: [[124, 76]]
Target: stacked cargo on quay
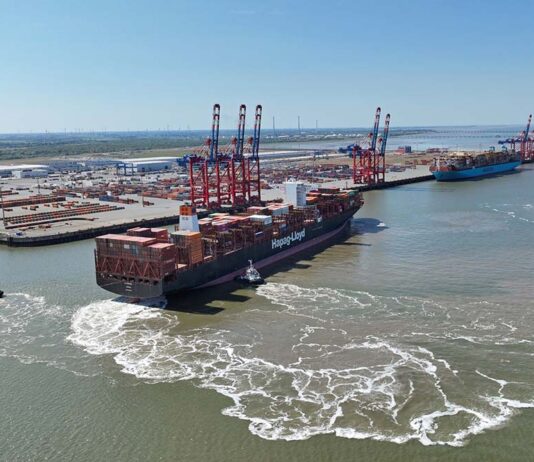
[[461, 165], [151, 262]]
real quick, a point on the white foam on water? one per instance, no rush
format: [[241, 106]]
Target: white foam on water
[[510, 326], [19, 312], [514, 213], [332, 370], [33, 331]]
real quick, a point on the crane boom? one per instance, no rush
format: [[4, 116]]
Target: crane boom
[[241, 132], [257, 130], [525, 137], [214, 145], [385, 136], [375, 129]]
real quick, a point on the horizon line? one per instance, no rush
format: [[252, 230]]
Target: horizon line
[[270, 129]]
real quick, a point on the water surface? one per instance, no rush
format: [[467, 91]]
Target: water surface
[[410, 340]]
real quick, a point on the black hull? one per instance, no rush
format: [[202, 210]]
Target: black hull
[[227, 267]]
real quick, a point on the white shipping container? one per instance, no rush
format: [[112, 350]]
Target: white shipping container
[[265, 219], [276, 211]]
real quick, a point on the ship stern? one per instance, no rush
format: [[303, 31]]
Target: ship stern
[[130, 287]]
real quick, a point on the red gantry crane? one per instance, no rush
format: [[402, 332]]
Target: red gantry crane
[[379, 164], [253, 162], [238, 162], [220, 175], [368, 162], [199, 162], [525, 141], [227, 177], [362, 157]]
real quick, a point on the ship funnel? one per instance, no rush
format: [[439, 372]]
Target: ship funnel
[[188, 219]]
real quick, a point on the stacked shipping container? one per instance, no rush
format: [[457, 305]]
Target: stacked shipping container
[[146, 252]]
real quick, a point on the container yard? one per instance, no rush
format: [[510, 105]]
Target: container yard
[[69, 204], [77, 205], [155, 197]]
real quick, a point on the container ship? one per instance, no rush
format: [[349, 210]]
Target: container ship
[[199, 253], [461, 165]]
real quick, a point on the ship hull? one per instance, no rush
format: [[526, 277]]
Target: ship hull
[[225, 268], [475, 172]]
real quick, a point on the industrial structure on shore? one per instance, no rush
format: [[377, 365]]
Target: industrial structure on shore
[[369, 160], [229, 175], [525, 141], [71, 199]]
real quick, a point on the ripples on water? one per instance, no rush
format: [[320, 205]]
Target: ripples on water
[[307, 361], [323, 361]]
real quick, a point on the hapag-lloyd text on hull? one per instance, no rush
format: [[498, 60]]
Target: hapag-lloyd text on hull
[[295, 236]]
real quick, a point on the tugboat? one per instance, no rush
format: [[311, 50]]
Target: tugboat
[[251, 276]]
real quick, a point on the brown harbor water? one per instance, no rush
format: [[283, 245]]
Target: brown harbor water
[[413, 340]]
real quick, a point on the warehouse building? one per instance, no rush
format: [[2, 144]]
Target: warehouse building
[[23, 171], [153, 164]]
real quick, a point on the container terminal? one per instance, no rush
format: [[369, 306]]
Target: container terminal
[[145, 263], [66, 200]]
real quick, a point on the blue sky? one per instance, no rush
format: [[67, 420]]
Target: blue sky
[[120, 65]]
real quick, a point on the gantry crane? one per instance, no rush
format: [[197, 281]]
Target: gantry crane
[[238, 162], [526, 147], [369, 160], [363, 157], [227, 176], [253, 162], [379, 163], [525, 141], [199, 163]]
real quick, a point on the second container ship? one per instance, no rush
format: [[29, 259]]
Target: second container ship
[[199, 253], [461, 165]]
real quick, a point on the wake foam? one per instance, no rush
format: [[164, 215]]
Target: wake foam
[[521, 212], [324, 361], [33, 331]]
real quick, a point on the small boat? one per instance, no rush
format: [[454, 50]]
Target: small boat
[[251, 276], [1, 293]]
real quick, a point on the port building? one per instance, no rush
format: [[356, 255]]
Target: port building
[[151, 164], [23, 171]]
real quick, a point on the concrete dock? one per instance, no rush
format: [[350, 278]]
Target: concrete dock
[[162, 212]]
